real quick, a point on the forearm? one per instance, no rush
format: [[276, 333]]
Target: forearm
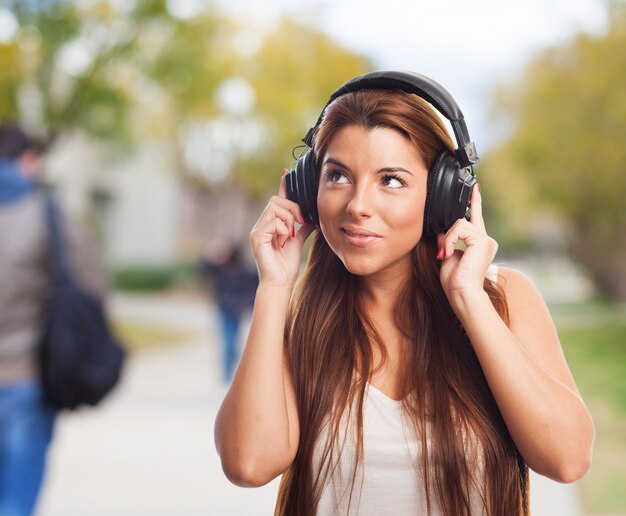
[[252, 429], [547, 419]]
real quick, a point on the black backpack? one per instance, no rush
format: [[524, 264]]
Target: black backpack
[[80, 359]]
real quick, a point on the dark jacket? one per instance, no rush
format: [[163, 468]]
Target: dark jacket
[[234, 285], [25, 281]]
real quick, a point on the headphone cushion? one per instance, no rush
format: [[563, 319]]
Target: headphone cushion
[[311, 179], [443, 199], [433, 195], [305, 188]]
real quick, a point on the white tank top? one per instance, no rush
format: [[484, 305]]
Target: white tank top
[[389, 480]]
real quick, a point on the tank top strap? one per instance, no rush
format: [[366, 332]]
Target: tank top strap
[[492, 273]]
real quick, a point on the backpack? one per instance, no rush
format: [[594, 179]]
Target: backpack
[[80, 359]]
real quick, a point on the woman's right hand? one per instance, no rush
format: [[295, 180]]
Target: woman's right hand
[[276, 245]]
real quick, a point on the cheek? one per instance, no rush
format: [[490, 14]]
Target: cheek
[[329, 207], [326, 211], [407, 214]]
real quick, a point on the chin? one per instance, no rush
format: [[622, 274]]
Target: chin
[[359, 266]]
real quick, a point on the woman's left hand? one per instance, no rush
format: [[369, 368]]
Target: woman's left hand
[[463, 272]]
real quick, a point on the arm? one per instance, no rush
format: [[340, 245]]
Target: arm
[[530, 380], [522, 362], [257, 429]]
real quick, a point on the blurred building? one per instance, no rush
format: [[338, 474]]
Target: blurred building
[[140, 206]]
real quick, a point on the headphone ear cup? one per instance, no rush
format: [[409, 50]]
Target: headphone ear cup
[[433, 194], [311, 182], [302, 187], [448, 194]]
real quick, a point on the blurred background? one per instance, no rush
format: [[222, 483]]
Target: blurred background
[[167, 124]]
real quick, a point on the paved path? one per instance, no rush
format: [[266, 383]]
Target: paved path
[[148, 450]]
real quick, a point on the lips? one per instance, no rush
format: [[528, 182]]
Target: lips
[[359, 237], [359, 233]]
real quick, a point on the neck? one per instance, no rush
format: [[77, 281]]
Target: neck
[[383, 288]]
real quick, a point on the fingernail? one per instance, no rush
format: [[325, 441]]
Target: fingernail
[[440, 253], [293, 232], [478, 186], [301, 219]]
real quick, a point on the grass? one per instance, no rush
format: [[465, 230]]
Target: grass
[[596, 354], [141, 336]]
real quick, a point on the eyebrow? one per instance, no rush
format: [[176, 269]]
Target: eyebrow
[[394, 169], [379, 171], [336, 162]]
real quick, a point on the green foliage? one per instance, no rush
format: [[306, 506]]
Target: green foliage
[[9, 81], [603, 351], [138, 72], [597, 358], [139, 336], [293, 75], [102, 67], [148, 278], [566, 152]]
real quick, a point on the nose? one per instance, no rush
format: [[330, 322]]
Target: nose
[[360, 204]]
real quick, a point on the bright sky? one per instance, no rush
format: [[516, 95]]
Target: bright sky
[[466, 45], [469, 46]]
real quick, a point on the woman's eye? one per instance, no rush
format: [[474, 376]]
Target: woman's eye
[[393, 182], [334, 176]]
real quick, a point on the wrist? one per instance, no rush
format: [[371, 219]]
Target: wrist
[[464, 301], [274, 289]]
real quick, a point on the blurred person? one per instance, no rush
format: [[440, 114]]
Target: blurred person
[[233, 284], [26, 420], [399, 375]]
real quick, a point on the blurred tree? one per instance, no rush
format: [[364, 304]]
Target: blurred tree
[[566, 150], [153, 69], [233, 96], [293, 74], [276, 80], [116, 70]]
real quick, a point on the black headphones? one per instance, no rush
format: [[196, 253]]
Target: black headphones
[[451, 177]]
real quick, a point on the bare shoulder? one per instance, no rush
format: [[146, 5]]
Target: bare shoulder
[[516, 283], [526, 305], [532, 324]]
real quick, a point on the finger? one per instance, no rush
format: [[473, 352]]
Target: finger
[[448, 247], [286, 204], [282, 189], [463, 231], [282, 195], [441, 237], [285, 214], [303, 233], [476, 208], [495, 250], [281, 233], [444, 238]]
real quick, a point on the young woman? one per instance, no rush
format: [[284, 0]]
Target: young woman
[[398, 375]]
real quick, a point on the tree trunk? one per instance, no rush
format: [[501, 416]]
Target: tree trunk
[[601, 248]]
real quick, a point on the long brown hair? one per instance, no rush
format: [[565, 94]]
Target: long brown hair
[[329, 338]]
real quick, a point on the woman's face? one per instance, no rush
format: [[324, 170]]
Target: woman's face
[[371, 198]]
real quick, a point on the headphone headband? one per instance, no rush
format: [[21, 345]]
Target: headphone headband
[[421, 86]]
